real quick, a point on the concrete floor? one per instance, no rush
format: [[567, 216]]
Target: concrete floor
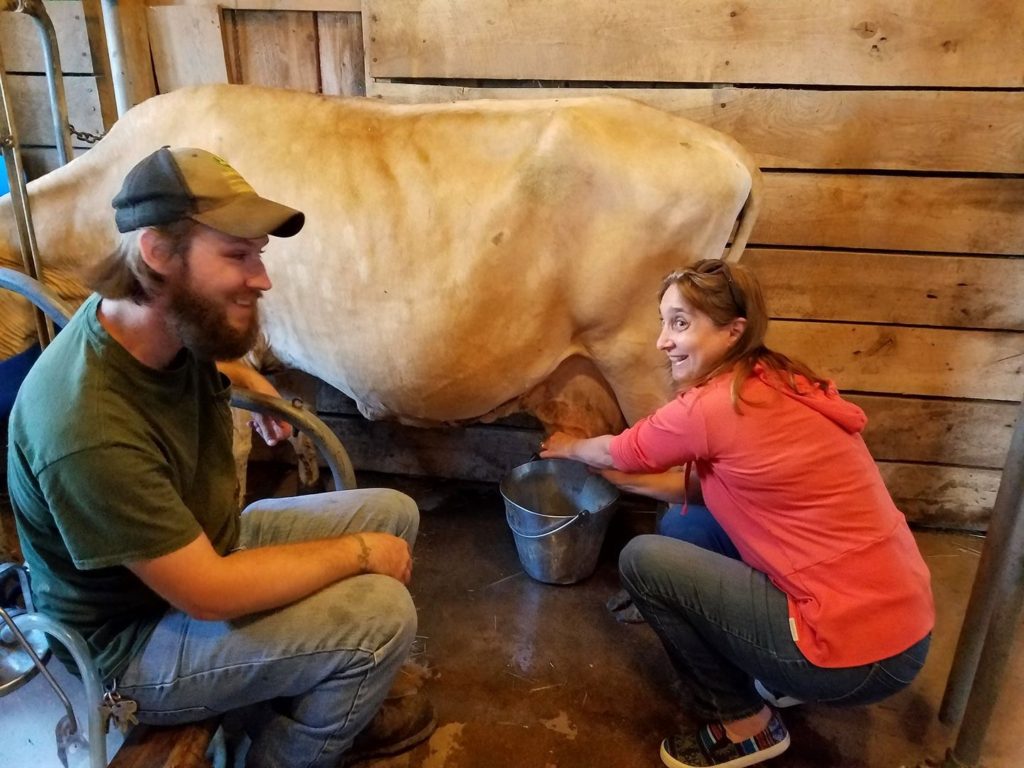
[[530, 675]]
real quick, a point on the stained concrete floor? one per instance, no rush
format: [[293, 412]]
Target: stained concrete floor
[[529, 675]]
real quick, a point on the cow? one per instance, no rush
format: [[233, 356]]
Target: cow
[[459, 262]]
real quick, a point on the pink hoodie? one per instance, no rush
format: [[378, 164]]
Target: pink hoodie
[[792, 483]]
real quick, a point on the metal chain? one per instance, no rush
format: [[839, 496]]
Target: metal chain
[[88, 138]]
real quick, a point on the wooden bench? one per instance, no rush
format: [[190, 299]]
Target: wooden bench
[[179, 746]]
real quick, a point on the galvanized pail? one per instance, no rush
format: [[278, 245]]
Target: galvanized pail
[[559, 512]]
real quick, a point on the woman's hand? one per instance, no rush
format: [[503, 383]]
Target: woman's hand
[[590, 450], [559, 446]]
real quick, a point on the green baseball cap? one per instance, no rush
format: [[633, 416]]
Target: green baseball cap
[[187, 183]]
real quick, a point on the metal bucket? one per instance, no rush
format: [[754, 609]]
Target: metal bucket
[[559, 512]]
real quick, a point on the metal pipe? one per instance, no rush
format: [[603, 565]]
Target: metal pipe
[[54, 73], [115, 52], [993, 579], [326, 441], [44, 298], [90, 678], [19, 201], [991, 669]]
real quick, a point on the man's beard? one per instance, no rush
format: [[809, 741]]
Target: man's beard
[[203, 327]]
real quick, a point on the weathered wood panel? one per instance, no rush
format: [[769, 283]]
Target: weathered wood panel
[[342, 67], [943, 497], [928, 494], [958, 432], [273, 48], [949, 215], [962, 432], [102, 67], [188, 47], [909, 289], [33, 116], [947, 43], [970, 131], [470, 453], [337, 6], [984, 365], [138, 66], [22, 51]]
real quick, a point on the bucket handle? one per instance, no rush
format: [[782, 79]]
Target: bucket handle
[[582, 513]]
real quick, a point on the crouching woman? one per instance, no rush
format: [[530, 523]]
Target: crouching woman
[[800, 574]]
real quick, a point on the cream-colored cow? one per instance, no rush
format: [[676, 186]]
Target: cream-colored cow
[[459, 261]]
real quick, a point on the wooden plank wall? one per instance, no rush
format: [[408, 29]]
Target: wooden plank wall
[[892, 139], [90, 109]]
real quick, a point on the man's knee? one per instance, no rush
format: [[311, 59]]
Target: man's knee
[[403, 511], [379, 606]]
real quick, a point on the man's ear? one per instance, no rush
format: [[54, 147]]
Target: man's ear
[[156, 254]]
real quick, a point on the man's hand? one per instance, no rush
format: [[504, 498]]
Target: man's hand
[[272, 429], [384, 554]]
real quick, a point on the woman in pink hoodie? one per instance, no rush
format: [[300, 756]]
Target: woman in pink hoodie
[[800, 574]]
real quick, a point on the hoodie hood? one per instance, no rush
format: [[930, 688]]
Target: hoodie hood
[[828, 403]]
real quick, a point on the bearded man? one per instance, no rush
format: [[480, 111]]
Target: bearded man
[[295, 614]]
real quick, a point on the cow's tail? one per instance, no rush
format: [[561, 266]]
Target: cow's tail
[[748, 216]]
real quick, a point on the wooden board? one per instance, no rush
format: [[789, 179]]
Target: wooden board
[[337, 6], [470, 453], [33, 116], [176, 746], [942, 497], [970, 131], [969, 433], [909, 289], [187, 45], [947, 43], [22, 50], [928, 494], [984, 365], [102, 65], [948, 215], [138, 64], [342, 69], [274, 49]]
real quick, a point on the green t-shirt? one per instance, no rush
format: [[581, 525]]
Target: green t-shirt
[[112, 462]]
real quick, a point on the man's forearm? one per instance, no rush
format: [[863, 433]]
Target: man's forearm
[[198, 581]]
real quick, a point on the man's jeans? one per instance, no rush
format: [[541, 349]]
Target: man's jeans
[[326, 661], [724, 624]]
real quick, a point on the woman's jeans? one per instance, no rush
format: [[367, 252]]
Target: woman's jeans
[[324, 663], [725, 624]]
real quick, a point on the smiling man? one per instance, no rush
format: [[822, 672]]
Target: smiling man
[[296, 613]]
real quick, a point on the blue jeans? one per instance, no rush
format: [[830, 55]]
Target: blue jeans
[[324, 664], [724, 624]]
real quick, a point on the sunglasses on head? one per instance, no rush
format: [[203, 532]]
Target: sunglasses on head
[[717, 267]]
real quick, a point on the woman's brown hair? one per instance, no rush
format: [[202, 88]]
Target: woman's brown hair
[[724, 292]]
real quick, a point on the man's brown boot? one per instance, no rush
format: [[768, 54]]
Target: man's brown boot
[[400, 724]]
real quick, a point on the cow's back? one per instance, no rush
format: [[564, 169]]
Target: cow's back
[[454, 255]]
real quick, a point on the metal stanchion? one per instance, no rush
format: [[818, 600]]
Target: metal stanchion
[[993, 615]]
